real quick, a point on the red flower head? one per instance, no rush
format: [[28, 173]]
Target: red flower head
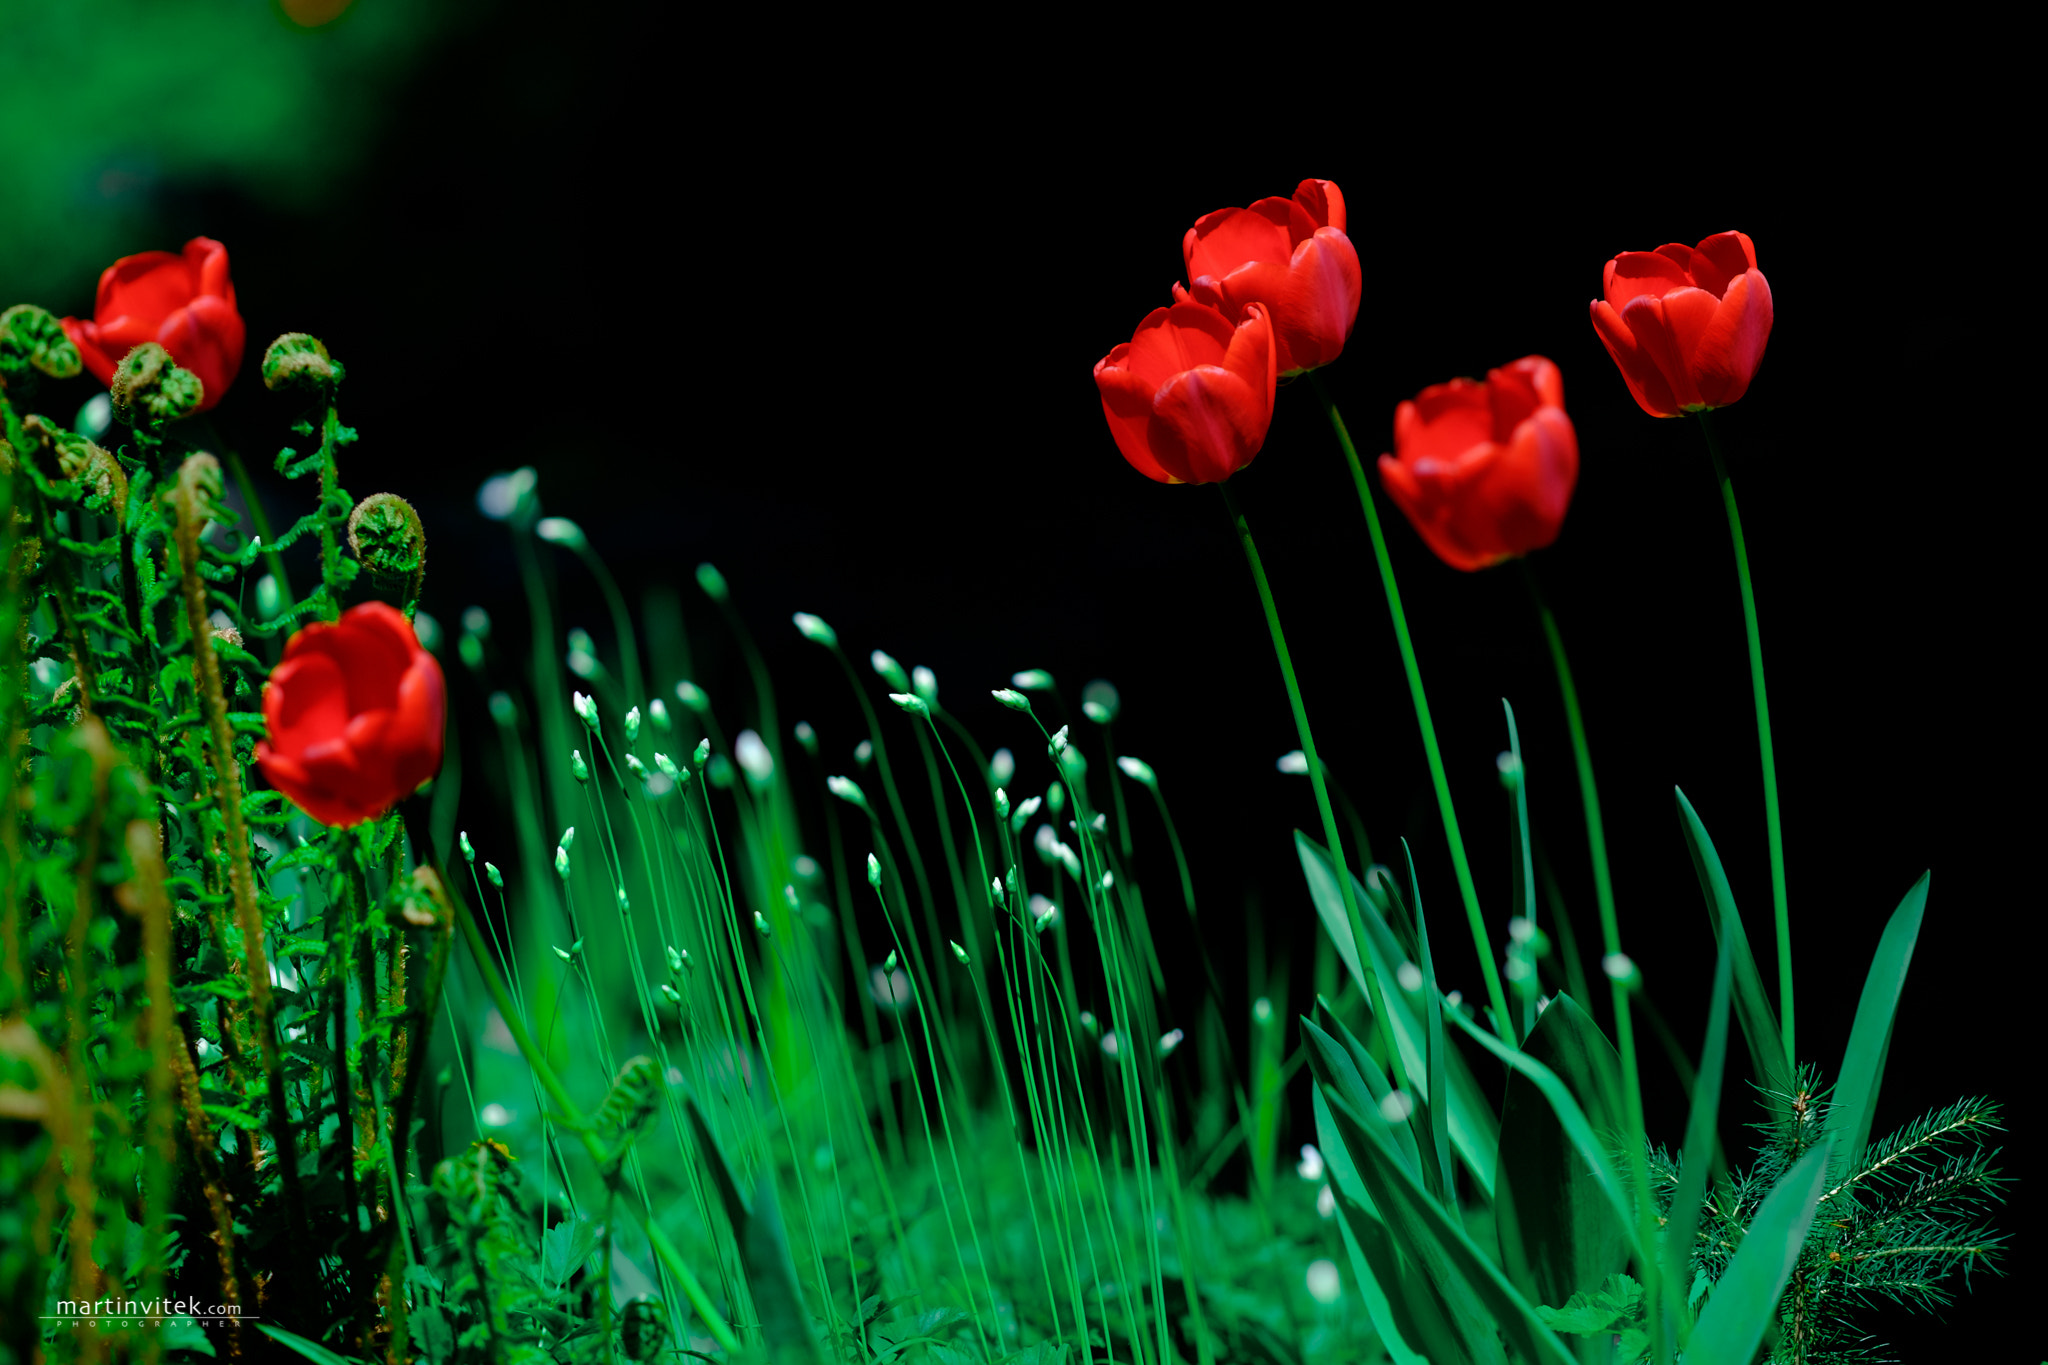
[[1687, 325], [355, 711], [185, 302], [1290, 255], [1189, 397], [1485, 471]]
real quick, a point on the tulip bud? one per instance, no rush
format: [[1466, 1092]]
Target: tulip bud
[[1138, 771], [298, 360], [497, 877], [1002, 804], [149, 388], [846, 790], [926, 684], [807, 737], [910, 702], [577, 766], [875, 875], [561, 531], [760, 924], [1016, 701], [1002, 766], [890, 671], [692, 696], [958, 952], [666, 766], [468, 849], [386, 535], [657, 712], [703, 752], [712, 582], [815, 630], [31, 341], [632, 725], [1032, 680]]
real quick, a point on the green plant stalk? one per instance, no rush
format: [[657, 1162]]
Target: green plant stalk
[[1459, 865], [1315, 772], [664, 1249], [1763, 733]]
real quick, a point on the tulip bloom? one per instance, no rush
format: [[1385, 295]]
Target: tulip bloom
[[355, 713], [1290, 255], [1485, 470], [1189, 396], [185, 302], [1687, 325]]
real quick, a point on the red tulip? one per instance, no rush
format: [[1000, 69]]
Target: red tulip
[[1290, 255], [1189, 397], [355, 711], [1687, 325], [1485, 471], [185, 302]]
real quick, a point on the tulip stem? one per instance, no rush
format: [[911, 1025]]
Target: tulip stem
[[1315, 772], [1763, 733], [1459, 865]]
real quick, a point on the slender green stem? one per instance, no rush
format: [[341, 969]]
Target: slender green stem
[[1589, 796], [1763, 734], [1466, 890], [1315, 769]]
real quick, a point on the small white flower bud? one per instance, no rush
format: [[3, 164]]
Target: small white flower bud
[[657, 711], [889, 671], [632, 725], [958, 951], [666, 766], [1293, 761], [910, 702], [1002, 805], [497, 877], [712, 582], [1002, 766], [1170, 1040], [585, 708], [847, 790], [925, 683], [752, 755], [760, 924], [815, 630], [577, 767], [1016, 701], [1032, 680], [692, 696], [703, 752], [874, 872], [468, 849], [560, 531], [1138, 771]]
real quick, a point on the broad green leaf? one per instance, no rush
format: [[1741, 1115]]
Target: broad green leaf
[[1855, 1098], [1350, 1073], [1569, 1115], [1560, 1235], [1486, 1307], [1374, 1262], [1700, 1130], [1752, 1006], [1746, 1296], [764, 1252], [1473, 1130]]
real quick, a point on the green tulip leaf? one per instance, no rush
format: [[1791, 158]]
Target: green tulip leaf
[[1854, 1106], [1752, 1006], [1746, 1296]]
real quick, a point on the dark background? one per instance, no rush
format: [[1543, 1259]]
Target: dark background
[[830, 327]]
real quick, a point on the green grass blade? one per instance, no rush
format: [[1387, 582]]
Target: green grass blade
[[1745, 1297], [311, 1350], [1434, 1114], [1752, 1006], [1486, 1307], [1559, 1232], [1700, 1130], [1399, 1316], [1855, 1099]]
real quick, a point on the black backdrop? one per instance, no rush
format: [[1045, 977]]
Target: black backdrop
[[835, 335]]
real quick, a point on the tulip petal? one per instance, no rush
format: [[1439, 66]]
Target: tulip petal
[[1687, 314], [1732, 344], [1318, 304], [208, 261], [1720, 259], [415, 735], [1646, 321], [1443, 422], [86, 337], [1645, 381], [1174, 339], [1254, 354], [289, 776], [1127, 403], [306, 702], [1323, 201], [1634, 274], [148, 286], [1222, 241], [1211, 420], [206, 338]]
